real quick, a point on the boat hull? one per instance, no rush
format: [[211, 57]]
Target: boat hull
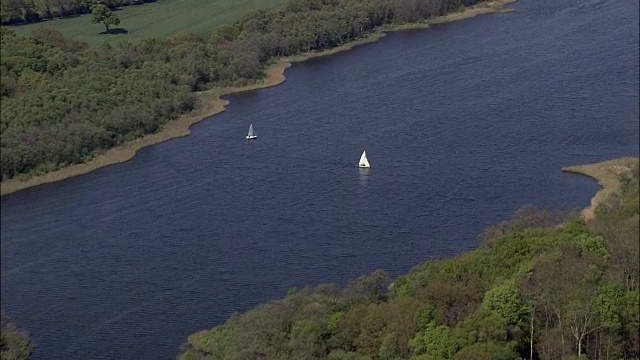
[[251, 137]]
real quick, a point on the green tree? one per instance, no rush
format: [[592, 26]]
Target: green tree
[[102, 14], [437, 342], [14, 343], [486, 351], [505, 301]]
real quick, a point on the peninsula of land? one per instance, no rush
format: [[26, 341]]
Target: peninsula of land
[[610, 175]]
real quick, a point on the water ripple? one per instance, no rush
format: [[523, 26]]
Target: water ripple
[[463, 124]]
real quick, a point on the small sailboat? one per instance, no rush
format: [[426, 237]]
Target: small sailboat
[[364, 163], [252, 133]]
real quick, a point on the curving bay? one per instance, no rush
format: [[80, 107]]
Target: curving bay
[[462, 124]]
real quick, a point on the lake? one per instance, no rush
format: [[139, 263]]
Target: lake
[[462, 123]]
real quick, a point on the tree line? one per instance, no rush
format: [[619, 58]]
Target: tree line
[[541, 286], [14, 343], [16, 12], [63, 102]]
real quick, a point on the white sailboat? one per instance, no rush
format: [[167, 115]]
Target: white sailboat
[[364, 163], [252, 133]]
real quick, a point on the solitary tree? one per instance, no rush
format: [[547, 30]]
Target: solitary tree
[[102, 14]]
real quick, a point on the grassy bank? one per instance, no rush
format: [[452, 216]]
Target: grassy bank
[[160, 19], [212, 104], [608, 175]]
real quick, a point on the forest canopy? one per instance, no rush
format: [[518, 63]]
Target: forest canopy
[[63, 102]]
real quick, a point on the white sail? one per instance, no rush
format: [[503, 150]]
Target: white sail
[[252, 133], [364, 163]]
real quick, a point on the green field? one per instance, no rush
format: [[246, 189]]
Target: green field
[[163, 18]]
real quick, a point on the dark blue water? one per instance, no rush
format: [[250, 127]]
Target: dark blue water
[[463, 124]]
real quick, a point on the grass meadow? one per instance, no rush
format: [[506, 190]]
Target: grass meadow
[[163, 18]]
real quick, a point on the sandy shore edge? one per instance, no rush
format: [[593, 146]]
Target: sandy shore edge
[[607, 173], [212, 103]]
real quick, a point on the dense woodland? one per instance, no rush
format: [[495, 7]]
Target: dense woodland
[[63, 101], [535, 289], [14, 12], [14, 343]]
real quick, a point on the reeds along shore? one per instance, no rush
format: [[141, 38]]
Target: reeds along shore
[[608, 174]]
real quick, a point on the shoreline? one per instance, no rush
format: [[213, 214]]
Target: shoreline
[[607, 174], [212, 102]]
